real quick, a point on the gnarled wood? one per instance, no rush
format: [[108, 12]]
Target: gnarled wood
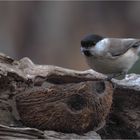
[[40, 86]]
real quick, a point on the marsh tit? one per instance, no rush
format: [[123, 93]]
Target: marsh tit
[[111, 56]]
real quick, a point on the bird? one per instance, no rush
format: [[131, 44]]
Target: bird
[[110, 56]]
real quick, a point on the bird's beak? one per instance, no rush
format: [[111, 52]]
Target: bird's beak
[[85, 51], [82, 49]]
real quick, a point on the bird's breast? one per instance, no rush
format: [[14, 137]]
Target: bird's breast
[[113, 65]]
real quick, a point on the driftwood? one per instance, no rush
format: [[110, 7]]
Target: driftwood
[[54, 98]]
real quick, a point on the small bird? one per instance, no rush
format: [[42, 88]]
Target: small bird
[[110, 56]]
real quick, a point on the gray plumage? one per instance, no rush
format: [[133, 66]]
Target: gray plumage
[[110, 55]]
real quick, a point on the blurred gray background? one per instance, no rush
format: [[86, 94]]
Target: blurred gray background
[[49, 32]]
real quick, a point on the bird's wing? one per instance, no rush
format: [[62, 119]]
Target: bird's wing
[[120, 46]]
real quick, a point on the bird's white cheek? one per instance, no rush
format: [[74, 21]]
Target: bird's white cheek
[[97, 52], [93, 51], [101, 47], [138, 50]]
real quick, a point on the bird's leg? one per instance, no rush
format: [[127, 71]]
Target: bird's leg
[[115, 75]]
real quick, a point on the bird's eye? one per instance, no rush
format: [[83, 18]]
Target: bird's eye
[[93, 43], [83, 43], [90, 43]]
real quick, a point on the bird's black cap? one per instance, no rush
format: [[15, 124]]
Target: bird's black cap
[[90, 40]]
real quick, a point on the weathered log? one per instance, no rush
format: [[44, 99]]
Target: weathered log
[[124, 118], [20, 79], [52, 135], [9, 133], [16, 132]]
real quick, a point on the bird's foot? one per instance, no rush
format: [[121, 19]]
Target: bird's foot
[[116, 75]]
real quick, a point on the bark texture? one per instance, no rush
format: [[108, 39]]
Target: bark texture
[[67, 101]]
